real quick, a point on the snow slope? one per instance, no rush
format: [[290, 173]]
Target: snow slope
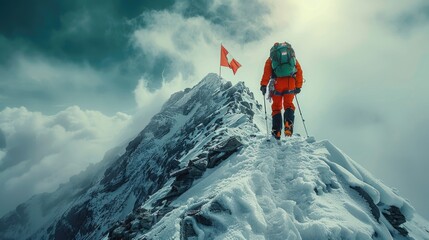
[[299, 190], [202, 169], [302, 189]]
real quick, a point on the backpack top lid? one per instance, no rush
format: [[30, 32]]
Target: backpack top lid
[[283, 59]]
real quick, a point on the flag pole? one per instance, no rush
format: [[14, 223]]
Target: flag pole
[[220, 57]]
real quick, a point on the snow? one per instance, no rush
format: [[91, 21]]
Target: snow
[[298, 190]]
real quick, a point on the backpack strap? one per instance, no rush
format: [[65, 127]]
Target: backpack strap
[[277, 93]]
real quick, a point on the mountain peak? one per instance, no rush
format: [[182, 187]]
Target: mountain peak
[[191, 124], [202, 168]]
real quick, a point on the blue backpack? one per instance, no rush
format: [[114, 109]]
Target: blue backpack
[[283, 59]]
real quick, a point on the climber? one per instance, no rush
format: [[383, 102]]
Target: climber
[[283, 76]]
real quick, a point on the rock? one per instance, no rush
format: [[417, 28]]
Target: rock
[[222, 151], [216, 207], [147, 221], [118, 232], [195, 173], [130, 217], [180, 172], [229, 145], [394, 215], [182, 185], [132, 235], [141, 211], [374, 209], [200, 164], [135, 225], [187, 230], [201, 219]]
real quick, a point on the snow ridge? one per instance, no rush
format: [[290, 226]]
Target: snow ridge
[[202, 169], [299, 190]]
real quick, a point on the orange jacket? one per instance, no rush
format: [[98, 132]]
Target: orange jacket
[[268, 71]]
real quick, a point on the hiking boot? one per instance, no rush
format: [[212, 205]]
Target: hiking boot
[[276, 134], [288, 129]]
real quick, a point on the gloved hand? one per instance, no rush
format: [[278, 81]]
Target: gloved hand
[[263, 89], [297, 90]]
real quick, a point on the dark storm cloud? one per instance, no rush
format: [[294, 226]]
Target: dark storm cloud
[[73, 37], [243, 20], [413, 18], [98, 31], [95, 35], [95, 31], [2, 140]]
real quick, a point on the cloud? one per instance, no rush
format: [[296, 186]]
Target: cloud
[[71, 45], [38, 152], [412, 17], [85, 53], [49, 85], [231, 16], [175, 47], [43, 151], [94, 31], [186, 39], [2, 140], [154, 100]]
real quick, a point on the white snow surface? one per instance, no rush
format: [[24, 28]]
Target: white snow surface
[[300, 189], [270, 191]]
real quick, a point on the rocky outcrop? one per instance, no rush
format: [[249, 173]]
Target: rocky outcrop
[[142, 220], [394, 215], [374, 209]]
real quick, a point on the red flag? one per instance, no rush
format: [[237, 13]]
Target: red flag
[[223, 58], [234, 65]]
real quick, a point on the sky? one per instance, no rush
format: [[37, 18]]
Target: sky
[[80, 77]]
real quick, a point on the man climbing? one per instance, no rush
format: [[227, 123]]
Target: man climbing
[[283, 74]]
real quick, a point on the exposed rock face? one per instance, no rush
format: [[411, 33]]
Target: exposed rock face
[[184, 178], [374, 209], [394, 215]]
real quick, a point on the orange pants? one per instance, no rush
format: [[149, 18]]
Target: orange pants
[[281, 85]]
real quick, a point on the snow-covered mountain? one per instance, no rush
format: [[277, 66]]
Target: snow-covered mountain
[[202, 169]]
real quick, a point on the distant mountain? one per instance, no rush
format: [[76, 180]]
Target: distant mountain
[[203, 169]]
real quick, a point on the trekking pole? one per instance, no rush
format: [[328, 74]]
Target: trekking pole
[[266, 121], [303, 121]]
